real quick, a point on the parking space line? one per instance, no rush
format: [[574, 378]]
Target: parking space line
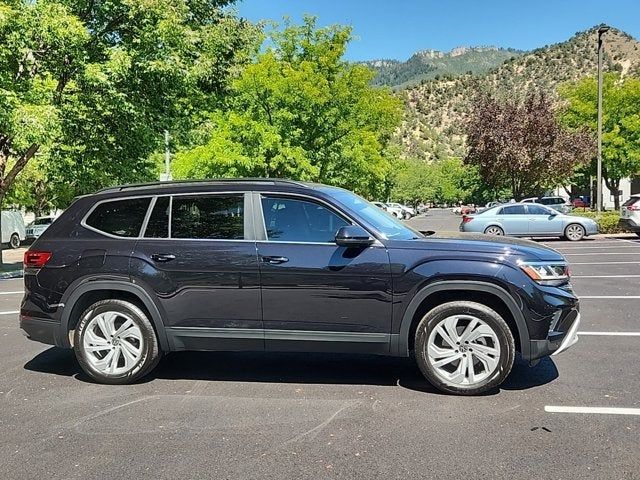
[[12, 293], [605, 263], [605, 276], [611, 334], [602, 253], [609, 297], [599, 248], [596, 410], [10, 312]]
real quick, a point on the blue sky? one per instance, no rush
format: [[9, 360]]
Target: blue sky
[[396, 29]]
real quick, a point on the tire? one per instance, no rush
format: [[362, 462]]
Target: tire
[[494, 230], [574, 232], [14, 241], [142, 350], [407, 216], [493, 336]]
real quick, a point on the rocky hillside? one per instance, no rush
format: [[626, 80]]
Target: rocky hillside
[[435, 109], [430, 64]]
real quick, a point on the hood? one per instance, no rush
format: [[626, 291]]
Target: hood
[[480, 243]]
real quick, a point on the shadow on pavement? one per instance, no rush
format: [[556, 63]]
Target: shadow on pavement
[[303, 368]]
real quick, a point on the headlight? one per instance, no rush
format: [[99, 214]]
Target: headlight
[[545, 273]]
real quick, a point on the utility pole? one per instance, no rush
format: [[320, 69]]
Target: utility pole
[[166, 176], [601, 30]]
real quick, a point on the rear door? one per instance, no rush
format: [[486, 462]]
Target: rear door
[[317, 295], [514, 219], [198, 255]]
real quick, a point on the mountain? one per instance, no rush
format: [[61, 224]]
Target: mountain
[[429, 64], [435, 109]]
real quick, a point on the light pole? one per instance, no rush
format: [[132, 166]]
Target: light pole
[[601, 30]]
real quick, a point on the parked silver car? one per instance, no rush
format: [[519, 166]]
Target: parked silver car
[[529, 220]]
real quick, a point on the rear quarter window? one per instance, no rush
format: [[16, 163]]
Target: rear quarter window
[[122, 218]]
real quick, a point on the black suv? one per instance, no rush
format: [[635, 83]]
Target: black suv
[[134, 272]]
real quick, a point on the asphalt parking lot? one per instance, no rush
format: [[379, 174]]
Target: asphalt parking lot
[[230, 415]]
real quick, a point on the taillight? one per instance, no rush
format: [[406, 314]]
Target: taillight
[[466, 219], [35, 259]]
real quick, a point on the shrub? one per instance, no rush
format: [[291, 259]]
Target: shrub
[[607, 221]]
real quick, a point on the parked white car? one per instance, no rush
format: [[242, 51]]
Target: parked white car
[[39, 225], [630, 214], [405, 212], [13, 231]]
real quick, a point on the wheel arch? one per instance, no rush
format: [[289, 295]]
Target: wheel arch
[[437, 293], [88, 293]]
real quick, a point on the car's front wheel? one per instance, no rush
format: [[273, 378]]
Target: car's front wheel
[[464, 348], [14, 241], [115, 342], [574, 232]]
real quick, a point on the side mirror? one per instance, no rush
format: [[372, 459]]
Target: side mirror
[[353, 236]]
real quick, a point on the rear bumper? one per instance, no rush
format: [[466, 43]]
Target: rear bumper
[[40, 330], [628, 224]]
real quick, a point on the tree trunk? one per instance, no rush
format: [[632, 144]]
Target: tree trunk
[[613, 184]]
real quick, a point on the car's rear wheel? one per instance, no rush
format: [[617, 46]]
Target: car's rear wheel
[[494, 230], [14, 241], [407, 216], [115, 342], [464, 348], [574, 232]]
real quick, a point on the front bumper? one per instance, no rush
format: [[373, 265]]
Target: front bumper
[[561, 336]]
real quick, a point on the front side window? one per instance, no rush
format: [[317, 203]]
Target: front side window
[[295, 220], [513, 210], [119, 217], [538, 210], [217, 217]]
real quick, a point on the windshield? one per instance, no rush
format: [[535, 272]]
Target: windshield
[[41, 221], [384, 223]]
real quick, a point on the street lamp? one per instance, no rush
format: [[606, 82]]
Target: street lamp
[[601, 30]]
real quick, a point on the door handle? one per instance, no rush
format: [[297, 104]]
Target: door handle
[[274, 260], [162, 257]]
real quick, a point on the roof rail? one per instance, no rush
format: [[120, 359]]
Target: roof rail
[[119, 188]]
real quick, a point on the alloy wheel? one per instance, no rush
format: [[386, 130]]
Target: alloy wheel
[[463, 350], [113, 343], [494, 231], [575, 232]]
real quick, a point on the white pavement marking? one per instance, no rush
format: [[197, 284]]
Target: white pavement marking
[[602, 253], [605, 276], [604, 297], [611, 334], [599, 248], [604, 263], [12, 293], [598, 410], [11, 312]]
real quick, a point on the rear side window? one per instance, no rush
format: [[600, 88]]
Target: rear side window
[[631, 201], [158, 225], [513, 210], [537, 210], [119, 217], [218, 217], [293, 220]]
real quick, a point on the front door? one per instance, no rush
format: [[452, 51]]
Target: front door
[[198, 256], [543, 221], [514, 219], [317, 295]]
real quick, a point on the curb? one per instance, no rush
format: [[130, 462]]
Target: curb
[[11, 274]]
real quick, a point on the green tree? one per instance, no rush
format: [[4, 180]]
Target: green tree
[[301, 111], [90, 86], [620, 123]]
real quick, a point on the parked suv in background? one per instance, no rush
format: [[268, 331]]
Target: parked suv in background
[[134, 272], [630, 214], [557, 203], [39, 225]]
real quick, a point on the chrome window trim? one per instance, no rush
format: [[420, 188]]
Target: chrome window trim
[[84, 223]]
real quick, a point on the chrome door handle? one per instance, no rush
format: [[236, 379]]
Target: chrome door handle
[[162, 257], [274, 260]]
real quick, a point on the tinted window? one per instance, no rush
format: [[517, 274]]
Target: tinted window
[[513, 210], [538, 210], [292, 220], [631, 201], [43, 221], [552, 201], [121, 217], [218, 217], [158, 225]]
